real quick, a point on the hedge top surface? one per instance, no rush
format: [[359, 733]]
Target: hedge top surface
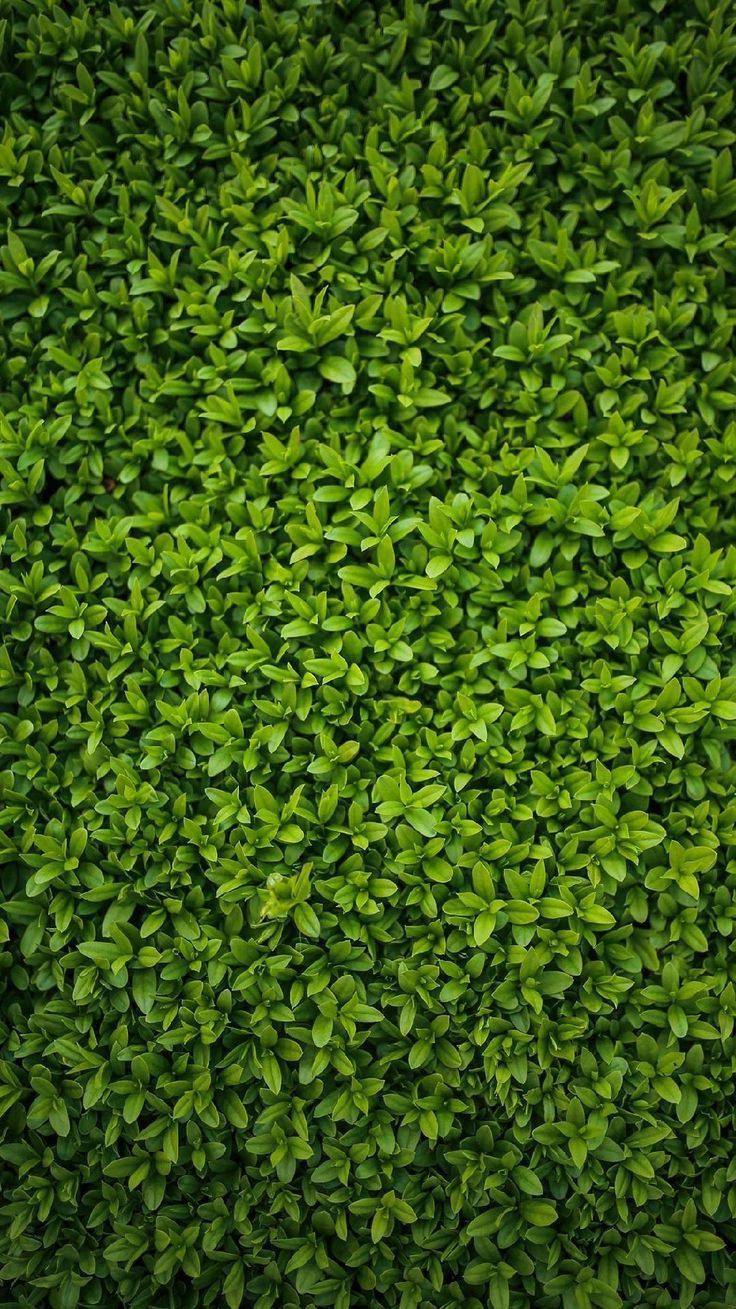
[[368, 665]]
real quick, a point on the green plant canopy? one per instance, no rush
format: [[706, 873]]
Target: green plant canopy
[[367, 654]]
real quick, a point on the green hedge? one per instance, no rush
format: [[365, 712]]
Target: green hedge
[[367, 679]]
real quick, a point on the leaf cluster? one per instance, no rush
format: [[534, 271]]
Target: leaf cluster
[[367, 654]]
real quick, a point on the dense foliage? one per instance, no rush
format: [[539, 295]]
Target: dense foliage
[[367, 680]]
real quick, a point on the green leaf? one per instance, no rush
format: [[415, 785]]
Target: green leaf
[[538, 1213], [234, 1285], [335, 368]]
